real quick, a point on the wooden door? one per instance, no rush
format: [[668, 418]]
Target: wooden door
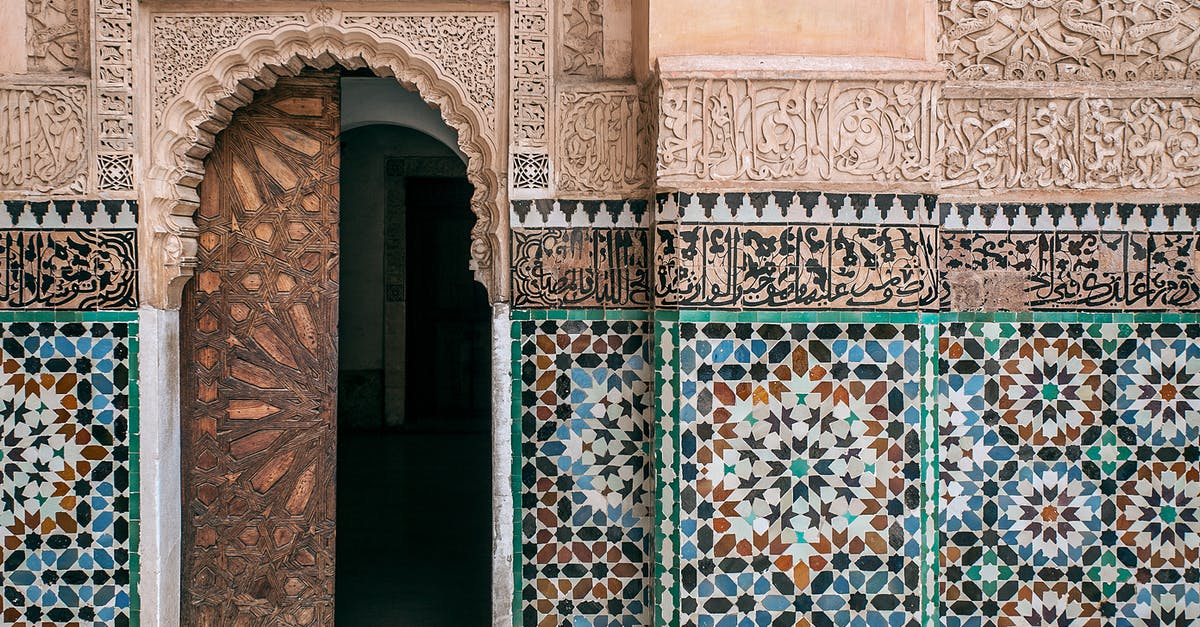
[[259, 363]]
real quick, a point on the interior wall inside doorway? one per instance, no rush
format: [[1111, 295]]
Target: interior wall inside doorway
[[373, 352]]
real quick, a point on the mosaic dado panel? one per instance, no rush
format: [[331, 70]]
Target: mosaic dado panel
[[1070, 483], [789, 250], [581, 415], [903, 468], [77, 255], [69, 485], [793, 470]]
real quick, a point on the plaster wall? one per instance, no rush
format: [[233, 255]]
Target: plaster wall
[[891, 28], [12, 38]]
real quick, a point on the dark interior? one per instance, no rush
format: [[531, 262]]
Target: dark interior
[[413, 486]]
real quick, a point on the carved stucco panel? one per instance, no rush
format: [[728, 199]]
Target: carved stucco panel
[[530, 79], [582, 45], [183, 44], [114, 96], [56, 36], [45, 135], [205, 98], [603, 142], [1070, 40], [796, 130], [1082, 143], [471, 60]]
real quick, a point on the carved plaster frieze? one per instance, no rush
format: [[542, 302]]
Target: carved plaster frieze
[[114, 95], [745, 130], [582, 46], [1069, 143], [183, 44], [45, 147], [206, 97], [55, 36], [1070, 40], [603, 144], [529, 77]]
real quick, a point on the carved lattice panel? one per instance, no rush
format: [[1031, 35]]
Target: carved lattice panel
[[259, 367]]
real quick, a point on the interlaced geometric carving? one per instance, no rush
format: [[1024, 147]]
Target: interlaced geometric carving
[[260, 387], [116, 172], [114, 79], [531, 92]]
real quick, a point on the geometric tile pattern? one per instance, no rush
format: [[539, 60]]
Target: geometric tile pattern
[[583, 410], [801, 461], [68, 469], [1070, 474], [666, 468]]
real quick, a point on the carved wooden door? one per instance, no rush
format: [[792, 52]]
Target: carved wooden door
[[259, 363]]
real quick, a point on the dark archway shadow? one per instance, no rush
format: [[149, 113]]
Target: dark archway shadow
[[414, 474]]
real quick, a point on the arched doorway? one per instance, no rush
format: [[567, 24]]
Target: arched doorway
[[260, 361], [413, 509]]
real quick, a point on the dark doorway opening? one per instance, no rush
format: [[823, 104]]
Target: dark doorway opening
[[414, 461]]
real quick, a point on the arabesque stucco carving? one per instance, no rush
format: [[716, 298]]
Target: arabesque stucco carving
[[206, 99], [1070, 40]]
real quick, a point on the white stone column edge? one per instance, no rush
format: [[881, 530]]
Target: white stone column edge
[[161, 509], [502, 459]]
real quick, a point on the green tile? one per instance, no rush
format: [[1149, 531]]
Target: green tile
[[726, 316]]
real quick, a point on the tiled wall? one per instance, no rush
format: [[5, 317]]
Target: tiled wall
[[580, 253], [1070, 478], [800, 446], [69, 486], [836, 468], [68, 254], [844, 426], [581, 414]]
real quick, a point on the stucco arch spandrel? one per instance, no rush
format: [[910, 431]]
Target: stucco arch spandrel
[[186, 129]]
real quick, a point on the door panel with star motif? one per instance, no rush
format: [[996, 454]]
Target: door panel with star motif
[[259, 363]]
